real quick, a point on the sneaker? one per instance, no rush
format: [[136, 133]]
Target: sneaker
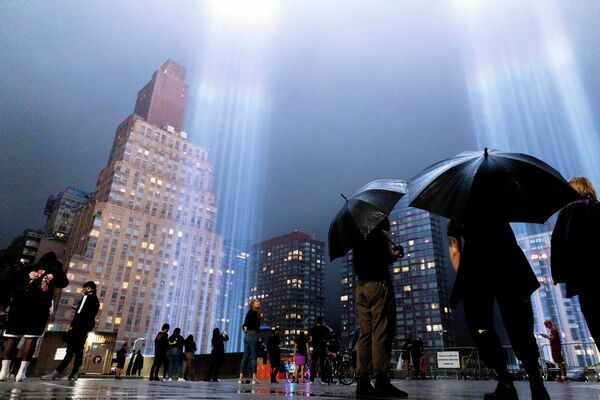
[[216, 380], [240, 381], [504, 391], [52, 376], [180, 380], [255, 382], [20, 377], [170, 380]]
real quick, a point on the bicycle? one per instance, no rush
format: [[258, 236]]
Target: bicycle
[[338, 369], [290, 367]]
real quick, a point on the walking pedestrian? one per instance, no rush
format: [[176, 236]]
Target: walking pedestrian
[[83, 323], [376, 311], [190, 356], [318, 338], [416, 354], [175, 355], [573, 262], [301, 352], [274, 353], [556, 349], [121, 355], [130, 364], [138, 363], [33, 291], [217, 354], [251, 328], [161, 346], [492, 268]]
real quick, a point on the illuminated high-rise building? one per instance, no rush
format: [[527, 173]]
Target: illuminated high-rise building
[[550, 302], [147, 238], [61, 211], [289, 282], [420, 279]]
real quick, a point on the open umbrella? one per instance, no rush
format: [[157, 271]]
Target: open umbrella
[[362, 213], [515, 186]]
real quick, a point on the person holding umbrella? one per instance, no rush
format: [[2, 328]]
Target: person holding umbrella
[[481, 192]]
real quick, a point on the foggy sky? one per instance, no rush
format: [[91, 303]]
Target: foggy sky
[[360, 90]]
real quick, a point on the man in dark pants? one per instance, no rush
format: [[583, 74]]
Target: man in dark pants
[[318, 337], [161, 346], [274, 353], [83, 322], [376, 312], [490, 268]]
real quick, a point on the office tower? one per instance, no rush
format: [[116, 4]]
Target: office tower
[[147, 239], [550, 302], [289, 282], [420, 279], [61, 211]]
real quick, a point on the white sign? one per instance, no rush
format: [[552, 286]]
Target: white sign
[[448, 359], [61, 352]]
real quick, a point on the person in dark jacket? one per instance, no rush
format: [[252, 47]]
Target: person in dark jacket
[[491, 267], [216, 356], [190, 348], [175, 355], [161, 346], [251, 327], [318, 335], [138, 363], [121, 356], [83, 323], [33, 291], [416, 354], [572, 261], [376, 311], [274, 353]]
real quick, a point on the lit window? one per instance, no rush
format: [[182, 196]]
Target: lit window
[[344, 298], [117, 320]]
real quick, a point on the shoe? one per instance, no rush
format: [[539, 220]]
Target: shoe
[[505, 390], [538, 391], [180, 380], [240, 381], [170, 380], [384, 388], [255, 382], [216, 380], [52, 376], [364, 387], [74, 376]]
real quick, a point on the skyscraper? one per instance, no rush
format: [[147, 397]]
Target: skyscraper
[[550, 302], [147, 238], [420, 279], [289, 282], [61, 211]]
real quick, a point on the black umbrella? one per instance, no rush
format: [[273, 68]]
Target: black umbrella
[[514, 186], [362, 213]]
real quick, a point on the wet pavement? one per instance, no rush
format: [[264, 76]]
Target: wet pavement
[[230, 389]]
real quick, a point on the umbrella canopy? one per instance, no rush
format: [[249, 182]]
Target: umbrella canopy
[[362, 213], [515, 186]]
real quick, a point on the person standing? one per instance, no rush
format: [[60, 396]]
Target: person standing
[[161, 346], [318, 337], [138, 363], [274, 353], [190, 355], [33, 291], [405, 356], [216, 356], [376, 311], [491, 267], [130, 363], [121, 356], [83, 323], [301, 352], [556, 349], [175, 355], [251, 327], [416, 354], [572, 260]]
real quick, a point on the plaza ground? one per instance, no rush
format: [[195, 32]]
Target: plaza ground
[[229, 389]]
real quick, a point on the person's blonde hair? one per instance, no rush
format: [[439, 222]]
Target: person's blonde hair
[[252, 301], [584, 187]]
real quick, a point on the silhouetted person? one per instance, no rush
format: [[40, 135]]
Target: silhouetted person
[[376, 311], [416, 354], [318, 338], [161, 346], [301, 351], [83, 323], [189, 347], [405, 356], [492, 268], [556, 349], [138, 363], [251, 327], [175, 355], [573, 257], [33, 291], [121, 356], [130, 364], [217, 354], [274, 353]]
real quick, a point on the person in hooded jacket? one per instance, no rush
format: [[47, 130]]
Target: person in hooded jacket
[[33, 291]]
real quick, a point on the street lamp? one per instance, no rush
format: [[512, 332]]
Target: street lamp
[[442, 337], [137, 340]]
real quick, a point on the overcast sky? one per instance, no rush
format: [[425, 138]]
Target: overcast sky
[[358, 90]]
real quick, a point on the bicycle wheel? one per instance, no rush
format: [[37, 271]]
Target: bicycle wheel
[[346, 373]]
